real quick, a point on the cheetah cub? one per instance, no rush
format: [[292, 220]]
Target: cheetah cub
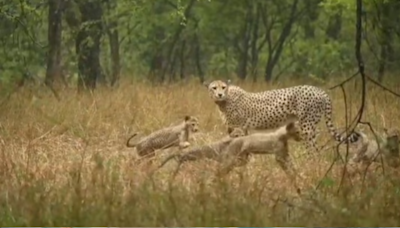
[[367, 151], [276, 142], [210, 151], [173, 136]]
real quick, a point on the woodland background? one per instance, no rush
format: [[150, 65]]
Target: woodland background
[[166, 40], [63, 159]]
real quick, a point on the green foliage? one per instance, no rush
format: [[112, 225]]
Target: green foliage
[[105, 200], [326, 60], [327, 182], [22, 43], [332, 6], [148, 29], [222, 63]]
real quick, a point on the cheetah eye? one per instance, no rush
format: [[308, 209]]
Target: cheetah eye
[[214, 88], [223, 87]]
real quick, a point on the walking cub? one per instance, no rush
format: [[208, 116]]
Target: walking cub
[[276, 142], [367, 150], [210, 151], [173, 136]]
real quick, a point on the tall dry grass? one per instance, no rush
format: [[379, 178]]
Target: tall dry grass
[[65, 163]]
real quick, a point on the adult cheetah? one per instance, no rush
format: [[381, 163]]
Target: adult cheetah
[[271, 109]]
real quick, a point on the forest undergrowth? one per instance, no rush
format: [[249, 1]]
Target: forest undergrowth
[[65, 163]]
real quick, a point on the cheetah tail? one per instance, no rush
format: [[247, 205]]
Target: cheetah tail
[[352, 138], [128, 143], [176, 156]]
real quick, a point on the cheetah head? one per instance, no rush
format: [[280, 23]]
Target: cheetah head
[[192, 123], [293, 131], [237, 132], [218, 90], [392, 140]]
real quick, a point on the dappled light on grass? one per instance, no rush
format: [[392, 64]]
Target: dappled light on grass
[[66, 163]]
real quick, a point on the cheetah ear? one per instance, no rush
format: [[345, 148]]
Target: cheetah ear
[[206, 84], [228, 82], [385, 130], [187, 118]]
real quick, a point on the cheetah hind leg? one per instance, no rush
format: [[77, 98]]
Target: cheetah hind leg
[[145, 162], [231, 162], [309, 137], [176, 171]]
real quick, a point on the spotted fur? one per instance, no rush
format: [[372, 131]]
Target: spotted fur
[[173, 136], [271, 109]]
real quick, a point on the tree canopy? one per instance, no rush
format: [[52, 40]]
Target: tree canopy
[[88, 42]]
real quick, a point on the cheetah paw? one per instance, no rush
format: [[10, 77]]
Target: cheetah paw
[[184, 145]]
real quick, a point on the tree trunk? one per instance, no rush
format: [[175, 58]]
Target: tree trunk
[[197, 57], [276, 52], [114, 42], [254, 42], [158, 60], [312, 13], [334, 26], [115, 57], [386, 38], [245, 43], [171, 49], [182, 60], [88, 44], [53, 71]]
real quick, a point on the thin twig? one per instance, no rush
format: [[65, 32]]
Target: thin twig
[[345, 81], [360, 71], [347, 145], [364, 78], [382, 86]]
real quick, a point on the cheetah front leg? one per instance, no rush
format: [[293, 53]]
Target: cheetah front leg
[[184, 140], [185, 158], [285, 162]]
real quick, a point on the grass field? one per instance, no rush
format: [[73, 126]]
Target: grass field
[[65, 163]]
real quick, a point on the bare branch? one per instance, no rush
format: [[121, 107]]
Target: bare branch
[[364, 78], [382, 86]]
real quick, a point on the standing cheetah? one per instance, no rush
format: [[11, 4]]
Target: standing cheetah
[[271, 109]]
